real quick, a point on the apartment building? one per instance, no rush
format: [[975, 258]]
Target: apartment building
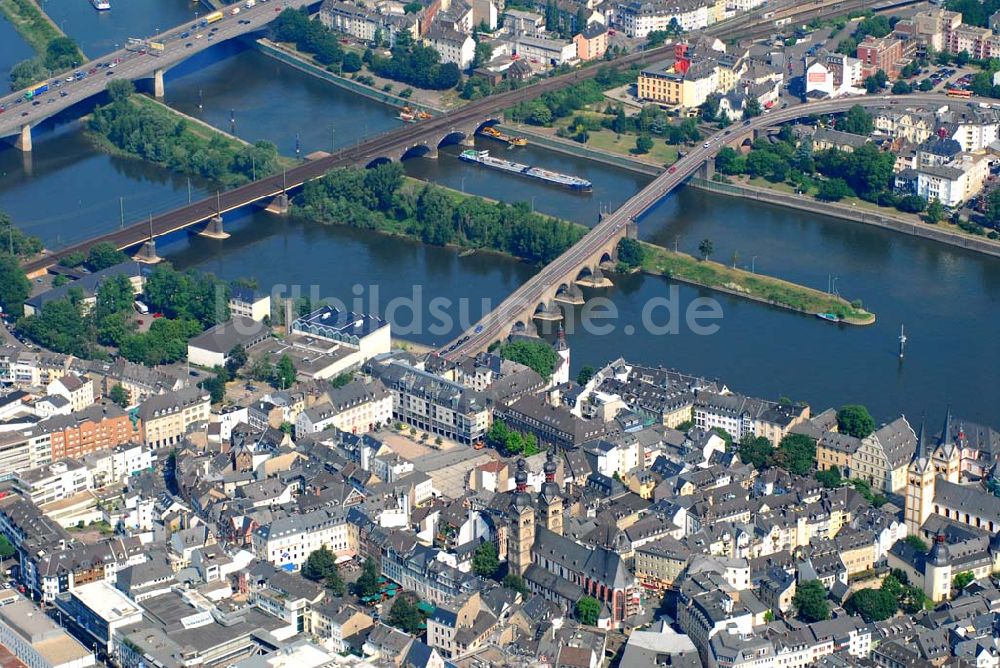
[[638, 19], [166, 418], [23, 449], [98, 427], [79, 392], [287, 542], [54, 482], [433, 404]]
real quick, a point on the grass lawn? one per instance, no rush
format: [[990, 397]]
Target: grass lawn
[[607, 140]]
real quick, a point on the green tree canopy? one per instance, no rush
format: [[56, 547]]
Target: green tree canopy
[[6, 549], [118, 395], [485, 561], [367, 582], [516, 582], [810, 601], [874, 605], [796, 454], [587, 610], [756, 451], [855, 420], [14, 285], [856, 121], [538, 355], [631, 252], [405, 615], [584, 375]]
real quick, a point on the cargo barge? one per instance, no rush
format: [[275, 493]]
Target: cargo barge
[[483, 158]]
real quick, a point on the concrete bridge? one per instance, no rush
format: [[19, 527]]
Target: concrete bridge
[[134, 63], [534, 299]]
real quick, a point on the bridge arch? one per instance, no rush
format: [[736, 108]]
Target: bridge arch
[[488, 123], [453, 137], [381, 160], [607, 258], [584, 274], [418, 151]]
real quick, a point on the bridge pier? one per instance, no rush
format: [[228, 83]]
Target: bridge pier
[[158, 83], [278, 205], [214, 229], [550, 312], [468, 142], [147, 253], [23, 141], [707, 169], [596, 280], [571, 295]]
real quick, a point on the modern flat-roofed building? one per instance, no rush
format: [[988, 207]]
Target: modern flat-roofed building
[[211, 348], [248, 303], [35, 639], [369, 334], [98, 610]]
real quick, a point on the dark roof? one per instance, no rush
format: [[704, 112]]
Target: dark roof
[[237, 331], [88, 284]]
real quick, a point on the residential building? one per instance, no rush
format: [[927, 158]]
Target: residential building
[[591, 42], [551, 424], [883, 456], [54, 482], [951, 184], [453, 46], [23, 449], [95, 428], [641, 17], [79, 392], [357, 407], [166, 418], [833, 75], [460, 626], [743, 416], [287, 542], [432, 403], [546, 51], [881, 53], [88, 285], [98, 611]]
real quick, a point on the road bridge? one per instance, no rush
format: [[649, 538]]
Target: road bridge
[[409, 140], [138, 62], [599, 244]]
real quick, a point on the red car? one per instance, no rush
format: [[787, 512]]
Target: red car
[[672, 170], [157, 315]]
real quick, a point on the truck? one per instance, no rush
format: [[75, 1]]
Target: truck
[[249, 3], [156, 47], [36, 91], [212, 18]]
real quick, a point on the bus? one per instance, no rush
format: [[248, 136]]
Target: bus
[[213, 17], [955, 92]]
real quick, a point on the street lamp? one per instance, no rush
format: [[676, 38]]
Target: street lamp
[[753, 265]]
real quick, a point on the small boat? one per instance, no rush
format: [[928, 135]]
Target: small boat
[[101, 5], [830, 317]]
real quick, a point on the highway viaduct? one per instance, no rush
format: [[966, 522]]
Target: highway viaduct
[[138, 62], [538, 295]]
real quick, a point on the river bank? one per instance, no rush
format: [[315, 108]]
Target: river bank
[[33, 24]]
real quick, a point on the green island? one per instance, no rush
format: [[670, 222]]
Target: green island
[[136, 126], [767, 289], [56, 52]]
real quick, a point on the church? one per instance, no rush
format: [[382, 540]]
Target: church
[[554, 566], [960, 519]]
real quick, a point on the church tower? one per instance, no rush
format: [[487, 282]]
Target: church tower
[[550, 502], [521, 536], [561, 373], [948, 455], [919, 486]]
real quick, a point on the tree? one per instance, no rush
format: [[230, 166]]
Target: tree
[[756, 451], [319, 564], [285, 371], [351, 62], [14, 285], [367, 582], [484, 54], [855, 420], [796, 453], [516, 582], [335, 583], [963, 579], [6, 549], [216, 385], [874, 605], [752, 109], [584, 375], [631, 253], [810, 602], [236, 359], [538, 355], [935, 211], [61, 53], [917, 543], [729, 161], [485, 560], [405, 615], [120, 90], [856, 121], [656, 38], [27, 72], [833, 190], [118, 395], [901, 88], [706, 248], [643, 144], [830, 477], [587, 610]]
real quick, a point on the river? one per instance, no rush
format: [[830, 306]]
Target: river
[[946, 298]]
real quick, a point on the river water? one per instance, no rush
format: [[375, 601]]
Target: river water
[[946, 298]]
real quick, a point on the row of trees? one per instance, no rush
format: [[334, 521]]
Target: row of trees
[[565, 102], [374, 199], [416, 65], [100, 256], [295, 27], [796, 453], [156, 135], [511, 442]]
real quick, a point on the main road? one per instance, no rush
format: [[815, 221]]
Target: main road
[[493, 325], [143, 62]]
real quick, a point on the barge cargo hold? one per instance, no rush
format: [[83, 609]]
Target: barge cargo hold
[[566, 180]]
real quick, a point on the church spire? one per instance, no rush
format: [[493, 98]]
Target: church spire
[[922, 456], [946, 430]]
